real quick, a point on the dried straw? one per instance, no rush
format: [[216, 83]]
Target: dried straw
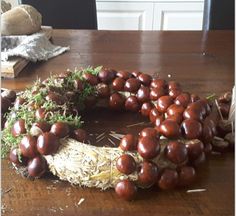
[[91, 166]]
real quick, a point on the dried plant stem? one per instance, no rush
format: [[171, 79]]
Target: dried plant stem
[[218, 108], [100, 135], [132, 125], [115, 136]]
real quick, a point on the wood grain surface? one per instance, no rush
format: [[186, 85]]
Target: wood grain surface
[[203, 62]]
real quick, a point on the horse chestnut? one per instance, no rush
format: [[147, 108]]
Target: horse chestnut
[[176, 152], [128, 142], [18, 128], [28, 146], [170, 129], [148, 174], [148, 147], [126, 164], [163, 103], [80, 135], [145, 79], [37, 166], [118, 84], [132, 85], [143, 94], [132, 104], [168, 179], [116, 101], [149, 132], [60, 129], [124, 74], [156, 93], [126, 189], [47, 143], [90, 78], [191, 129]]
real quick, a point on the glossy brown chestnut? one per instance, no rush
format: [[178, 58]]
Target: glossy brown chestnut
[[106, 75], [187, 175], [176, 152], [129, 142], [103, 90], [154, 113], [143, 94], [14, 157], [126, 164], [80, 135], [132, 104], [124, 74], [126, 189], [118, 84], [205, 105], [156, 93], [158, 122], [174, 93], [148, 147], [60, 129], [146, 108], [175, 109], [168, 179], [195, 149], [18, 128], [163, 103], [28, 146], [149, 132], [42, 125], [136, 73], [158, 83], [37, 166], [47, 143], [5, 104], [90, 78], [193, 114], [40, 113], [207, 134], [148, 174], [116, 101], [9, 94], [198, 106], [132, 85], [178, 118], [55, 97], [78, 85], [173, 85], [191, 129], [145, 79], [183, 99], [170, 129]]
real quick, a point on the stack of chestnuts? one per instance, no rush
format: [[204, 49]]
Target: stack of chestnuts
[[175, 115]]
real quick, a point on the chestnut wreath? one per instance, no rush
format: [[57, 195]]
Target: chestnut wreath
[[43, 130]]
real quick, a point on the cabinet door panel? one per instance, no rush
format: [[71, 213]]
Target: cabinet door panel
[[178, 16], [124, 16]]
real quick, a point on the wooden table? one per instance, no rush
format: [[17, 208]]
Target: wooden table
[[202, 61]]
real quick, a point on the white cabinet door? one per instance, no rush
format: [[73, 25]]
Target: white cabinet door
[[178, 16], [125, 16]]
